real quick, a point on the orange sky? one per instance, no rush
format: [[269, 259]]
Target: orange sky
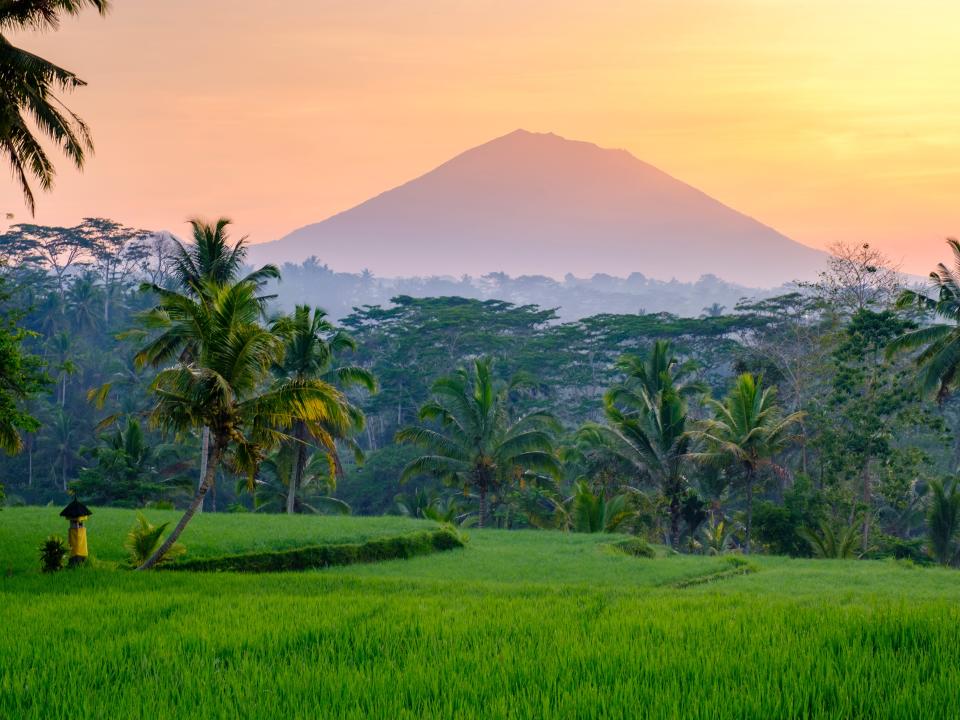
[[827, 120]]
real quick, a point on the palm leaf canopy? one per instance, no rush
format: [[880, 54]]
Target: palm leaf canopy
[[471, 439], [939, 344], [220, 385], [748, 425], [28, 86]]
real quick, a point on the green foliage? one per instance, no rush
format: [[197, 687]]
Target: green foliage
[[748, 429], [320, 556], [222, 357], [129, 471], [831, 543], [779, 525], [20, 377], [478, 446], [944, 520], [647, 424], [53, 553], [634, 546], [143, 540], [718, 537], [30, 85], [318, 478], [939, 344]]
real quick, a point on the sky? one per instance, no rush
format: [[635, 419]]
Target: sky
[[830, 121]]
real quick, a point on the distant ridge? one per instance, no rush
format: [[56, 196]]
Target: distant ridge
[[538, 204]]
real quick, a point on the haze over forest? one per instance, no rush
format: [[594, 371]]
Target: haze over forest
[[540, 205]]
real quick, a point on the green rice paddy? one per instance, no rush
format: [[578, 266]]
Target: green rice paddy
[[516, 625]]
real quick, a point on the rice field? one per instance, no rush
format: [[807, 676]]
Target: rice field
[[516, 625]]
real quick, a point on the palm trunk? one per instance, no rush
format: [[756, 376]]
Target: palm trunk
[[675, 522], [191, 511], [204, 459], [483, 508], [749, 508], [296, 480]]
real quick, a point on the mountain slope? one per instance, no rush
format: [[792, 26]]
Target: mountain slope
[[529, 203]]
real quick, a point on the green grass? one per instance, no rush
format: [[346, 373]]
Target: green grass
[[208, 535], [516, 625]]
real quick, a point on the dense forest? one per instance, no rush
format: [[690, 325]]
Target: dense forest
[[798, 423]]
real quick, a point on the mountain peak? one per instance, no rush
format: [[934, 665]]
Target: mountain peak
[[541, 204]]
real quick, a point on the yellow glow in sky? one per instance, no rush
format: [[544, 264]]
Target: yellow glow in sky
[[826, 120]]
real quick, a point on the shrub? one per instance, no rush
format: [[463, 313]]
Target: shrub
[[829, 543], [635, 546], [780, 527], [145, 537], [53, 551], [320, 556]]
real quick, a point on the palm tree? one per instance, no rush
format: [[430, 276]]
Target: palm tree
[[211, 258], [219, 384], [943, 520], [593, 512], [28, 87], [312, 343], [647, 423], [272, 487], [208, 262], [478, 446], [939, 359], [832, 544], [746, 432]]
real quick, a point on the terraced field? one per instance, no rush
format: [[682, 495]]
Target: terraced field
[[515, 625]]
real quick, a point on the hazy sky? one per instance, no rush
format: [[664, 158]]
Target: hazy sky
[[827, 120]]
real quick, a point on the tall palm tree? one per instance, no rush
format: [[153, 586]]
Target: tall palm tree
[[748, 429], [28, 95], [312, 343], [219, 385], [478, 446], [647, 423], [939, 358], [208, 262]]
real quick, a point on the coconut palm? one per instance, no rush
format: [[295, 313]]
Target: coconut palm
[[939, 344], [943, 520], [646, 375], [211, 258], [271, 490], [28, 96], [647, 423], [209, 261], [747, 431], [219, 385], [477, 445], [311, 346]]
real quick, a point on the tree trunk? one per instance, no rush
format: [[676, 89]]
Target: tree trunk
[[296, 479], [867, 501], [675, 522], [483, 508], [749, 508], [204, 460], [191, 511]]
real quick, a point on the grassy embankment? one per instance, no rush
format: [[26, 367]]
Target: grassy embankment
[[523, 624]]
